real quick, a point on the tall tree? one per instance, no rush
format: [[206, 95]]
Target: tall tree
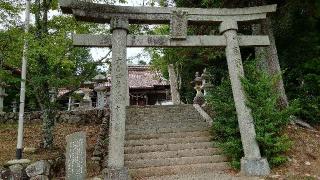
[[268, 56]]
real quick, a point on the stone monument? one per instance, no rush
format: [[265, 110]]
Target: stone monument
[[175, 95], [120, 17], [76, 156], [2, 95]]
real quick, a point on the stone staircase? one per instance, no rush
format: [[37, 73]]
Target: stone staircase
[[165, 142]]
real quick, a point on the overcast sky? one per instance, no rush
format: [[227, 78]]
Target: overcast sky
[[134, 54]]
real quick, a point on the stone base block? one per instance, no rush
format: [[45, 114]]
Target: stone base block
[[255, 167], [116, 174], [40, 177], [18, 161]]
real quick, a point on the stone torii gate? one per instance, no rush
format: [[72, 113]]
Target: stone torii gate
[[119, 18]]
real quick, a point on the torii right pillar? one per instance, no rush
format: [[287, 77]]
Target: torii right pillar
[[251, 164]]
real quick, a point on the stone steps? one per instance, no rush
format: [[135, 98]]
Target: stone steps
[[178, 170], [144, 163], [169, 141], [168, 147], [173, 154]]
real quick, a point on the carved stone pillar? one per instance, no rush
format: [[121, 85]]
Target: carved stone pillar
[[119, 100], [251, 163], [101, 96], [175, 95]]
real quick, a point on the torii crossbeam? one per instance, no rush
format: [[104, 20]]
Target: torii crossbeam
[[120, 17], [103, 13]]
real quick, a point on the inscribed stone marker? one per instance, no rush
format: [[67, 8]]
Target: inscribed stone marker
[[76, 156]]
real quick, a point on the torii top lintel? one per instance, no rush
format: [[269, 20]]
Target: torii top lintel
[[103, 13]]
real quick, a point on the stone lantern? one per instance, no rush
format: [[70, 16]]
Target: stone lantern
[[100, 88], [2, 95], [53, 95], [86, 100], [199, 99], [14, 106], [206, 84]]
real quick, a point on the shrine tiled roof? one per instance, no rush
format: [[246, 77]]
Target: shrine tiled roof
[[62, 91], [143, 77], [140, 77]]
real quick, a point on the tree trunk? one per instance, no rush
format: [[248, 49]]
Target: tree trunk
[[268, 56], [47, 128], [273, 63], [43, 90]]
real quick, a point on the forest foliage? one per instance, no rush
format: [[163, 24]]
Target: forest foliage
[[53, 62], [269, 119]]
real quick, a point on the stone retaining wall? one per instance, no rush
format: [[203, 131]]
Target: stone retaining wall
[[72, 117]]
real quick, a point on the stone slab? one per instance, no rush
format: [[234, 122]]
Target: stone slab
[[102, 13], [16, 171], [203, 113], [76, 156], [204, 176], [38, 168], [40, 177], [86, 40], [67, 5], [179, 25], [116, 174], [255, 167], [18, 161]]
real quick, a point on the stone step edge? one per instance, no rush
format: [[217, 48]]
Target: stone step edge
[[177, 153], [168, 135], [160, 141], [169, 147], [179, 169], [157, 106], [204, 176], [168, 124], [144, 163], [173, 122], [166, 130]]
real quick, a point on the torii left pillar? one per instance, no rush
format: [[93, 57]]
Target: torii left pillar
[[119, 100]]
